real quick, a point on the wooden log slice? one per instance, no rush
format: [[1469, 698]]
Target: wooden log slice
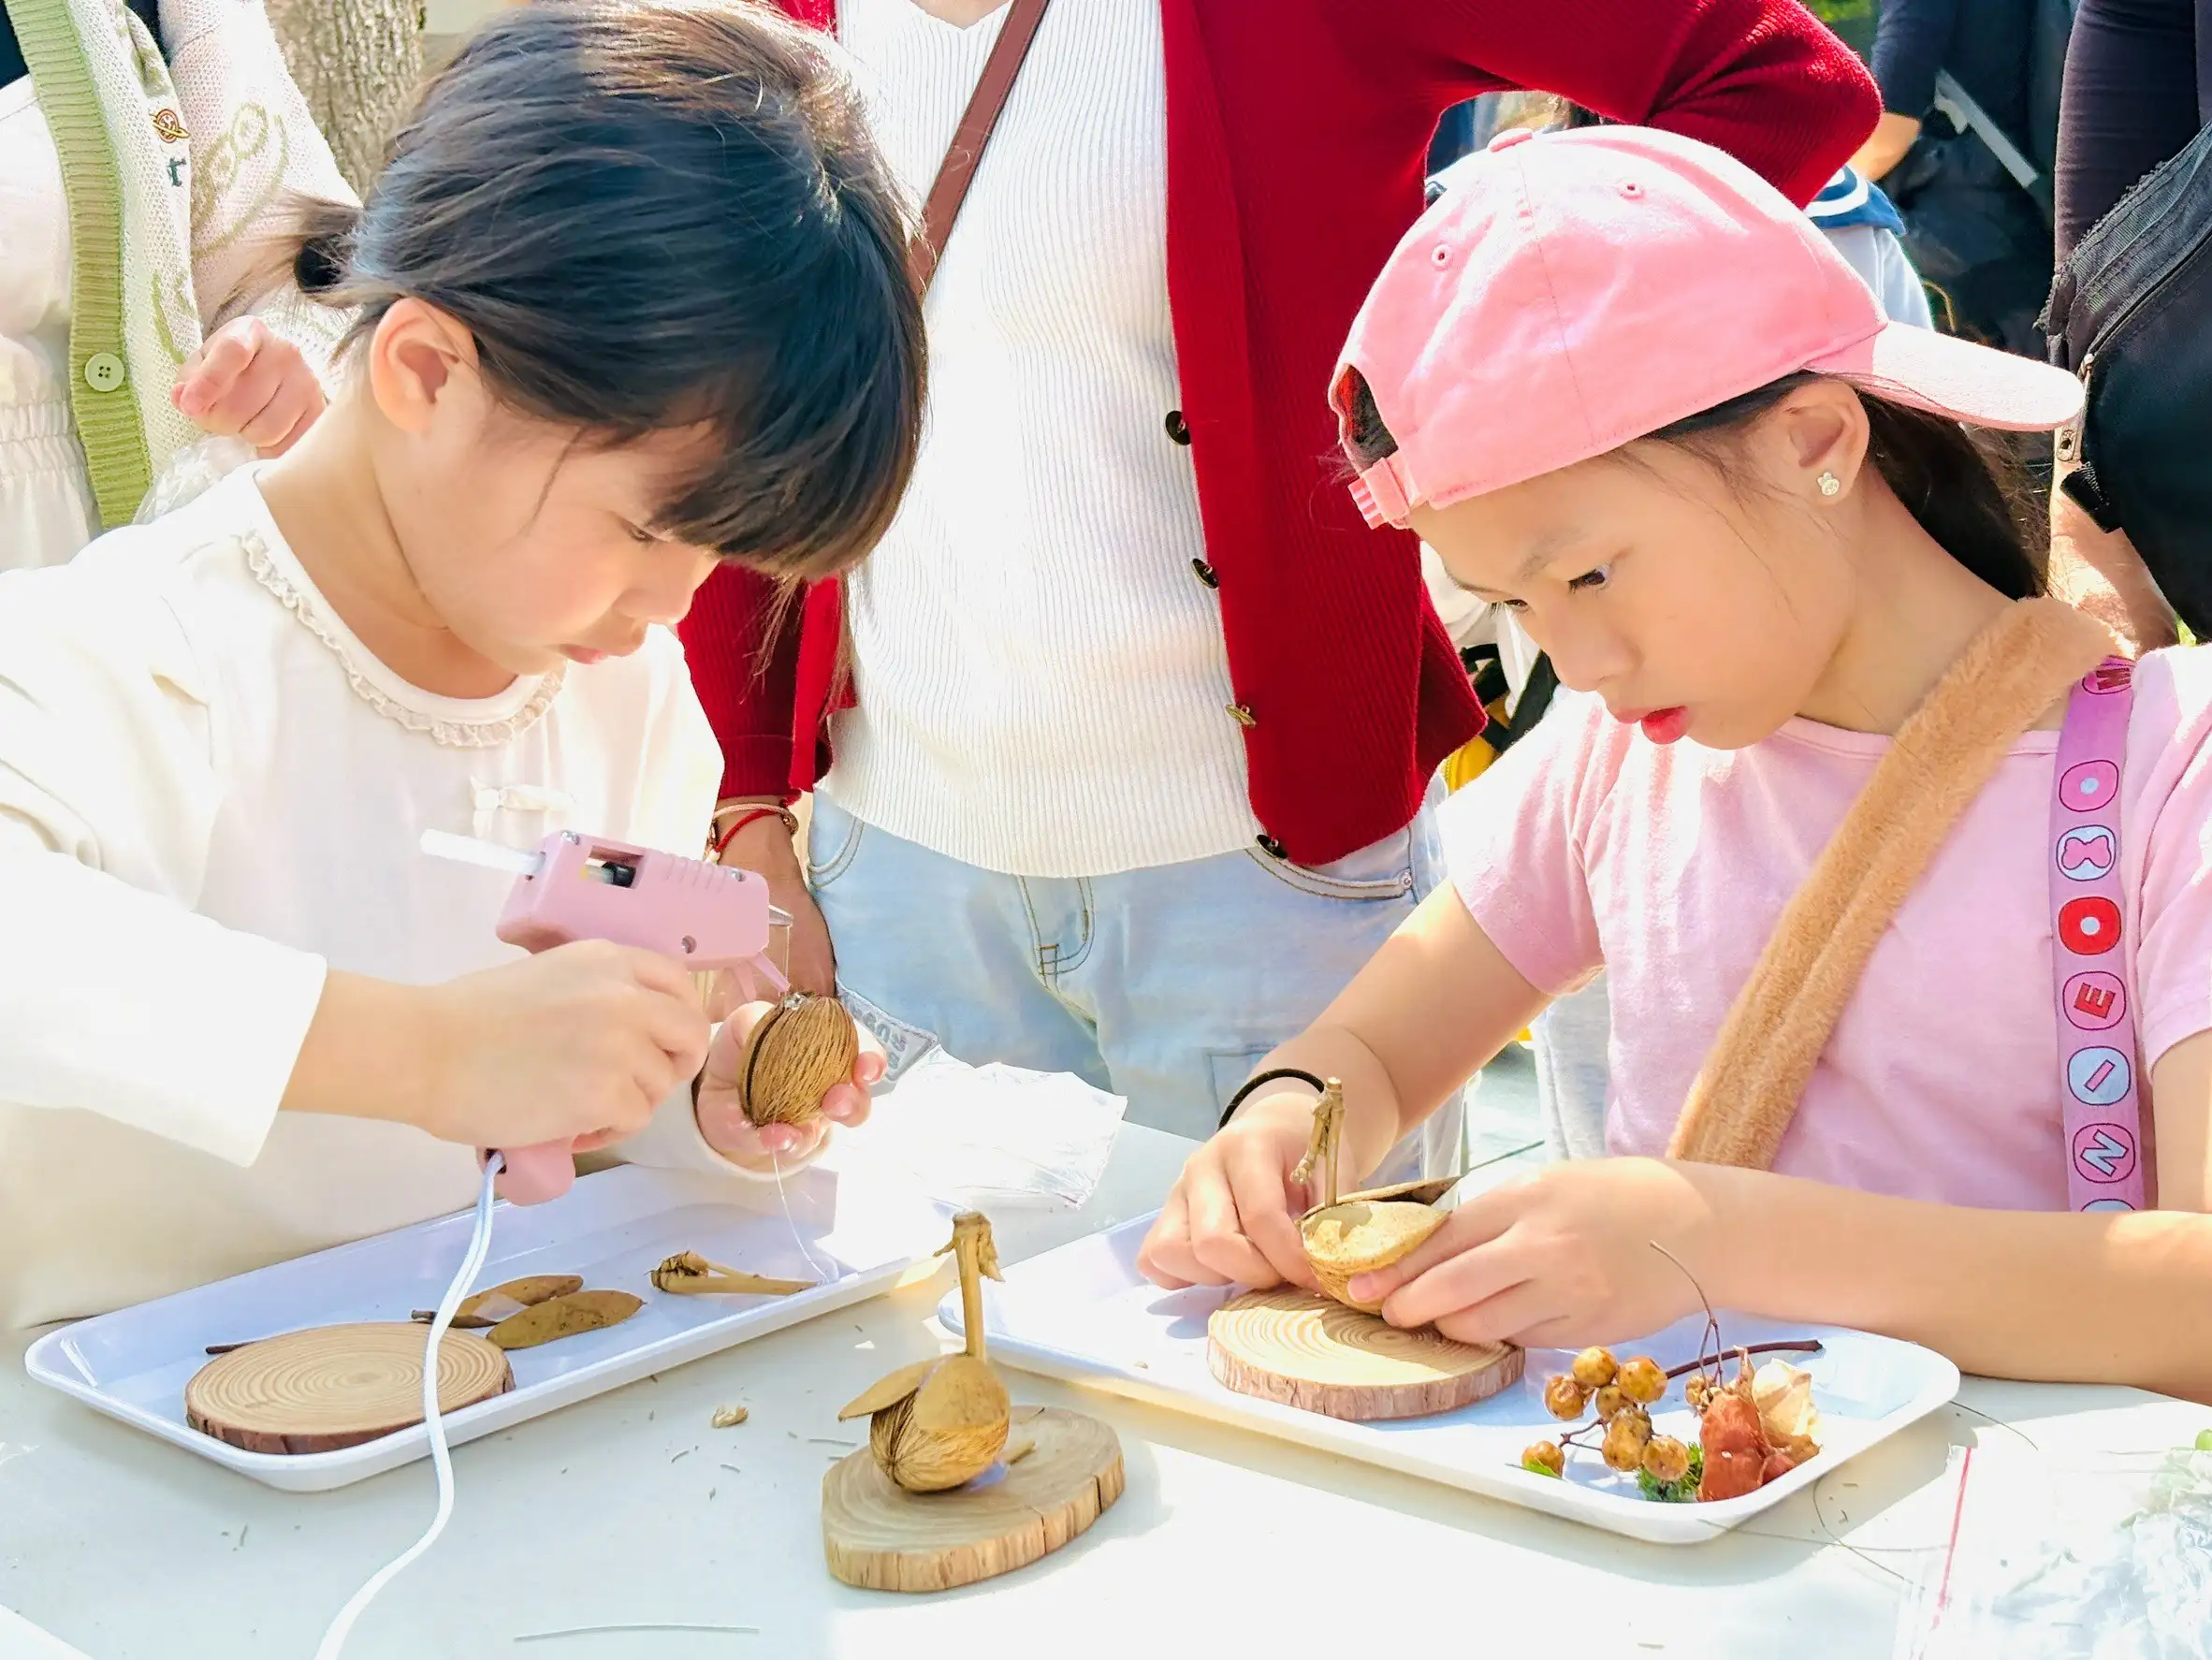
[[337, 1386], [1312, 1353], [881, 1537]]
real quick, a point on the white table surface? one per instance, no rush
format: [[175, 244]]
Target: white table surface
[[630, 1507]]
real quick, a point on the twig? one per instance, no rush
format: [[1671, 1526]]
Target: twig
[[1808, 1346], [539, 1637], [1712, 1323]]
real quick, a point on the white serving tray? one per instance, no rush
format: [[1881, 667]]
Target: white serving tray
[[612, 1229], [1084, 1314]]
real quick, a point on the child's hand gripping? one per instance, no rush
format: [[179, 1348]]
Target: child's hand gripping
[[721, 1109], [1563, 1257], [248, 382], [577, 1044], [1232, 1216]]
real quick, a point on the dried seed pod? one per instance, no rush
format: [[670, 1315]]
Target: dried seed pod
[[941, 1423], [1545, 1458], [1626, 1438], [1667, 1459], [1641, 1380], [564, 1317], [1346, 1237], [1784, 1395], [1699, 1391], [1735, 1447], [947, 1430], [1594, 1368], [1345, 1240], [801, 1048], [495, 1303], [689, 1274], [1563, 1398]]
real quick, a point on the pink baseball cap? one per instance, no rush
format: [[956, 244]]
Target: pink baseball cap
[[1578, 290]]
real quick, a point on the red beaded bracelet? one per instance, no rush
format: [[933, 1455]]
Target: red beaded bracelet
[[791, 823]]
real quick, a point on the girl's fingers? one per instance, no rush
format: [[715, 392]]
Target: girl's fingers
[[869, 1068], [1511, 1316], [280, 421], [247, 398], [846, 1104], [1463, 1279], [212, 371], [1217, 1237], [1483, 1217], [1165, 1258], [1256, 1183]]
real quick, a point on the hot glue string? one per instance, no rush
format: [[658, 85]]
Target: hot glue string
[[471, 1265], [791, 1221]]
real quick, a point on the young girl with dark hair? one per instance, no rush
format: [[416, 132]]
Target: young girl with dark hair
[[631, 299], [1898, 879]]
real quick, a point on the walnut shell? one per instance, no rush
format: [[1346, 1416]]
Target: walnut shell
[[803, 1048], [937, 1424]]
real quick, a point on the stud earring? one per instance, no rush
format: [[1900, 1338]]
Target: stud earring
[[1830, 486]]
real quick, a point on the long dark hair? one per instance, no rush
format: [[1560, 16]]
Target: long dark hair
[[1966, 493], [649, 215]]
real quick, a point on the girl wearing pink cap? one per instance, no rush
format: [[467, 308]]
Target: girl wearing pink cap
[[1902, 883]]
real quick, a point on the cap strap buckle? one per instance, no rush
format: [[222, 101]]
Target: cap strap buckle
[[1382, 494]]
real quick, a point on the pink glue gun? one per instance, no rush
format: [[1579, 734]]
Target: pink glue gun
[[582, 887]]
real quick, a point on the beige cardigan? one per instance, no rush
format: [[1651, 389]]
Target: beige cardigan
[[172, 178]]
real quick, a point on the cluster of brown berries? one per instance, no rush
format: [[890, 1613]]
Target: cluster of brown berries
[[1620, 1393]]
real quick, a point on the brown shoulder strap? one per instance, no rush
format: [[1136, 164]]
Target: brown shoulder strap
[[1747, 1092], [957, 171]]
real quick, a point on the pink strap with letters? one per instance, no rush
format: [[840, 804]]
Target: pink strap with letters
[[2097, 1059]]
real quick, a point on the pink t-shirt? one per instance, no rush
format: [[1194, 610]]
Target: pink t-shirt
[[1586, 845]]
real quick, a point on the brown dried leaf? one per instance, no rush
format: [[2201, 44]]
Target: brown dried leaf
[[888, 1391], [564, 1317], [494, 1304], [961, 1392]]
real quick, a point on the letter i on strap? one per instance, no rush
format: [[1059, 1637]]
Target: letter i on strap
[[2097, 1059]]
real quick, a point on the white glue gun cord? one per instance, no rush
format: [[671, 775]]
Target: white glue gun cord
[[479, 1247]]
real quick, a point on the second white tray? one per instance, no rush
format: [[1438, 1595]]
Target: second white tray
[[1084, 1314], [612, 1229]]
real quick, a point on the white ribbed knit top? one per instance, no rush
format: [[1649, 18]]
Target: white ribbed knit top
[[1042, 682]]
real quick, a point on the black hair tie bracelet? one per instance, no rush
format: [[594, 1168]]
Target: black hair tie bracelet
[[1274, 1076]]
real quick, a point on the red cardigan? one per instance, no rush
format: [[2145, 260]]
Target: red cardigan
[[1297, 130]]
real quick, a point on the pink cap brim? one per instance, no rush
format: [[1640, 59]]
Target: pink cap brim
[[1951, 377]]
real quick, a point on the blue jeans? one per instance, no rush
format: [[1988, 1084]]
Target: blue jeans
[[1164, 985]]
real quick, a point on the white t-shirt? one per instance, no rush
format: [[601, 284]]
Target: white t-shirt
[[209, 792], [1043, 684]]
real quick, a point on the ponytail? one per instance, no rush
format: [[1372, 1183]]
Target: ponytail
[[322, 239]]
